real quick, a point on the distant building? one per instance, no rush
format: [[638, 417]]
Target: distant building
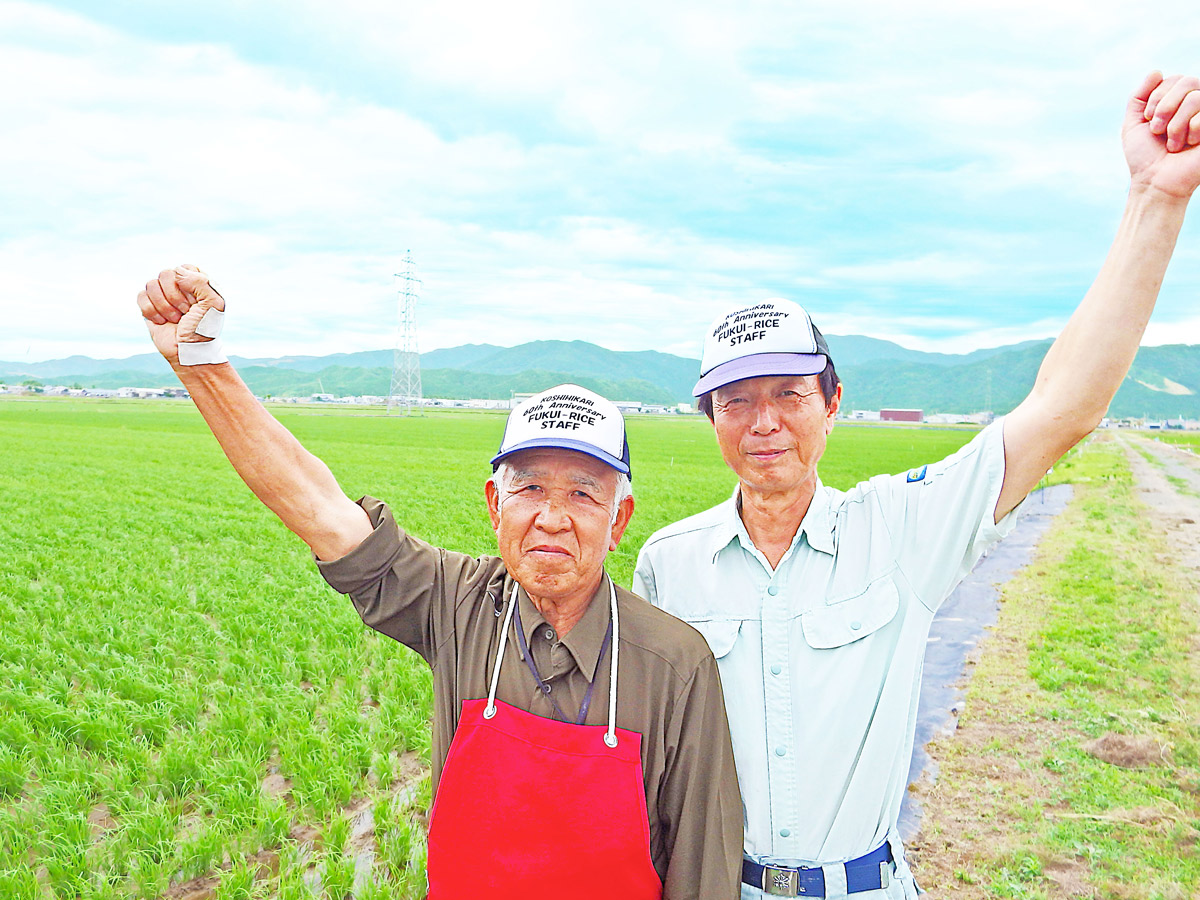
[[976, 418], [901, 415]]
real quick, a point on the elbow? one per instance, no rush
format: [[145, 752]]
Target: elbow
[[1073, 428], [1070, 417]]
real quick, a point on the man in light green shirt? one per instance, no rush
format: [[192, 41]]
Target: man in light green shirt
[[817, 603]]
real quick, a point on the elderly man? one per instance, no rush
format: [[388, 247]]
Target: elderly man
[[817, 603], [580, 746]]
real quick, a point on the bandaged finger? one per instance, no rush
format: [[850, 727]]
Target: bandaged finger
[[202, 353]]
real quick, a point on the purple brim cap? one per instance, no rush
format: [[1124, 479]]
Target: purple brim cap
[[566, 444], [757, 365]]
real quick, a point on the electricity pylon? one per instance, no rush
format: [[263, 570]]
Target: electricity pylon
[[405, 394]]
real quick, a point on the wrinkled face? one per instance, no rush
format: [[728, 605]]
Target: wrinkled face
[[772, 429], [554, 521]]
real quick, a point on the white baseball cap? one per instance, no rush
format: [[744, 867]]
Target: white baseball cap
[[774, 337], [569, 417]]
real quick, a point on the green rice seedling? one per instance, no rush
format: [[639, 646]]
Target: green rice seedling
[[180, 767], [376, 890], [414, 882], [14, 771], [275, 824], [150, 876], [395, 843], [20, 883], [65, 854], [16, 837], [292, 886], [337, 877], [423, 796], [335, 835], [152, 830], [201, 853], [240, 883], [232, 793], [296, 879], [103, 887], [383, 812], [384, 769]]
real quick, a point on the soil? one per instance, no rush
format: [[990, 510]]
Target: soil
[[959, 822], [1128, 751]]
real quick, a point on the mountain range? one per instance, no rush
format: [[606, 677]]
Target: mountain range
[[1164, 382]]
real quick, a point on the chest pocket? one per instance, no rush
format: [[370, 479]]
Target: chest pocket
[[850, 620], [720, 634]]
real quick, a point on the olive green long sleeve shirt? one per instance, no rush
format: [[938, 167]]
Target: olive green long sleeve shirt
[[448, 607]]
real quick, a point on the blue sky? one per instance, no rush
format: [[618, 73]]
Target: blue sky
[[942, 174]]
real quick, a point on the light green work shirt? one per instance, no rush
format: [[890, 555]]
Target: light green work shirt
[[821, 657]]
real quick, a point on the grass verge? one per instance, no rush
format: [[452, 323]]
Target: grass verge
[[1074, 769]]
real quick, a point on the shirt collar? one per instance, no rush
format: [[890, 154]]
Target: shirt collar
[[585, 639], [815, 526], [729, 525]]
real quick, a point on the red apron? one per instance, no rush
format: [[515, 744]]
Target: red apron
[[533, 809]]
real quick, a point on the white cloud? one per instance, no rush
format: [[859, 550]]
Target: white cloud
[[617, 173]]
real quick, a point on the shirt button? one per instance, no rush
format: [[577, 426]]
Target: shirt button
[[772, 590], [549, 634], [856, 625], [784, 832], [775, 670], [780, 751]]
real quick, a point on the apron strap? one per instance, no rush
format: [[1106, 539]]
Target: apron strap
[[610, 736], [490, 709]]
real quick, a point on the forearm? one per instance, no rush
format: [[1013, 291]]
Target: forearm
[[1089, 360], [1085, 366], [293, 483]]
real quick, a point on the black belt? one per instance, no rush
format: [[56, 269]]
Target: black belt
[[871, 872]]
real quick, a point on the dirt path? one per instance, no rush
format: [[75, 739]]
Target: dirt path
[[1171, 489], [971, 815]]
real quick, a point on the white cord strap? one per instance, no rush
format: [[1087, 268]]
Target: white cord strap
[[610, 737], [490, 709]]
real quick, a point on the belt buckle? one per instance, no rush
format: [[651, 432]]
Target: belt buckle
[[780, 882]]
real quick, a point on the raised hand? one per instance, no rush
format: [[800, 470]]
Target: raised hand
[[1161, 135], [183, 312]]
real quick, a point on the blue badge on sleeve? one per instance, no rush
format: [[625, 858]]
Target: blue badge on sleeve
[[917, 474]]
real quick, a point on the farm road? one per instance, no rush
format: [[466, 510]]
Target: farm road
[[1170, 486]]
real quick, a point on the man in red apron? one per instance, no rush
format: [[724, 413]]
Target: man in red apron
[[540, 792]]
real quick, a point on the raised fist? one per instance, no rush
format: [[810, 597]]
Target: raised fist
[[184, 313]]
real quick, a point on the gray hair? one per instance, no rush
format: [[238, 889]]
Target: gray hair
[[505, 473]]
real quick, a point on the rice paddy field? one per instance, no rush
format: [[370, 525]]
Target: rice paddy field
[[186, 709], [1189, 439]]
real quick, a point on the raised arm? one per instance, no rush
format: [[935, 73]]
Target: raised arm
[[293, 483], [1086, 364]]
